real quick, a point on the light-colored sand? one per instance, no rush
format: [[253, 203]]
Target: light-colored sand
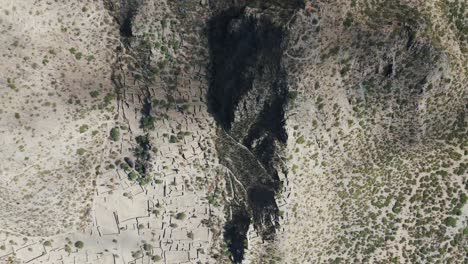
[[52, 196]]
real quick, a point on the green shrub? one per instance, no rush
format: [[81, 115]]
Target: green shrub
[[147, 247], [190, 235], [108, 98], [147, 122], [132, 176], [173, 139], [83, 128], [67, 249], [292, 95], [124, 166], [180, 216], [78, 55], [137, 254], [450, 221], [115, 134], [348, 21], [300, 140], [144, 180], [80, 151], [79, 244], [94, 94]]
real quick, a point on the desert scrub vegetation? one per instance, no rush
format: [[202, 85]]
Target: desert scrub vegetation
[[387, 183], [456, 12]]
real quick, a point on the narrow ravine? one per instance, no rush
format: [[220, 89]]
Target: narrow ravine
[[247, 96]]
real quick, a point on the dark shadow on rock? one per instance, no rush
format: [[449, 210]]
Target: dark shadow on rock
[[247, 96]]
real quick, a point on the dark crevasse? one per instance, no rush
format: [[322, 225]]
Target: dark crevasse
[[124, 12], [247, 96]]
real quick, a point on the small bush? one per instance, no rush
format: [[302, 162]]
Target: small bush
[[68, 249], [124, 166], [137, 254], [79, 244], [300, 140], [115, 134], [147, 247], [80, 151], [292, 95], [348, 21], [180, 216], [147, 122], [144, 180], [94, 94], [83, 128], [108, 99], [450, 221], [173, 139], [132, 176], [78, 55], [190, 235]]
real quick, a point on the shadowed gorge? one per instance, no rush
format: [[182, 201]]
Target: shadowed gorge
[[124, 13], [247, 95]]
